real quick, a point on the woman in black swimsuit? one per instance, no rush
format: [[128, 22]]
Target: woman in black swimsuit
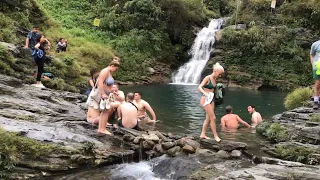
[[207, 88]]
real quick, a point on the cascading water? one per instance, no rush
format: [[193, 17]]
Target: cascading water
[[190, 72]]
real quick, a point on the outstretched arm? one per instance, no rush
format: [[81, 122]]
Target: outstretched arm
[[150, 110], [242, 121]]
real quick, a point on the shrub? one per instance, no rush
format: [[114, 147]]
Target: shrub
[[297, 97], [294, 153], [277, 133], [315, 118], [6, 62]]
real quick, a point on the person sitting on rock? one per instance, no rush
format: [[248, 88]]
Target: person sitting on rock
[[61, 45], [128, 113], [94, 73], [93, 115], [256, 117], [143, 107], [230, 120], [117, 98]]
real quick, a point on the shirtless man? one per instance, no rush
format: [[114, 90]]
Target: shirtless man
[[256, 117], [128, 113], [231, 120], [143, 107], [117, 98]]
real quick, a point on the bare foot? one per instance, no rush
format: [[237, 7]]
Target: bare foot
[[204, 137], [105, 132], [217, 139]]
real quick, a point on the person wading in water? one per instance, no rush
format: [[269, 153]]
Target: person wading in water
[[207, 101]]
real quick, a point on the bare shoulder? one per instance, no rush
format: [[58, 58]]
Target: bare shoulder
[[144, 102]]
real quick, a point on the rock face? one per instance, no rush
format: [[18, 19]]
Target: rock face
[[297, 133]]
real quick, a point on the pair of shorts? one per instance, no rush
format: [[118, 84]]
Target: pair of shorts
[[315, 76]]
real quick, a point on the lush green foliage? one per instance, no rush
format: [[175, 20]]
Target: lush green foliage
[[141, 31], [295, 153], [315, 118], [297, 97], [275, 47], [6, 62], [274, 131]]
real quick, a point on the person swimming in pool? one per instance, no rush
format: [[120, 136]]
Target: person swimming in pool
[[256, 117], [105, 84], [207, 101], [231, 121], [128, 113]]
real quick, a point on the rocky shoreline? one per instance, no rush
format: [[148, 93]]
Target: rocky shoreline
[[54, 123], [295, 135]]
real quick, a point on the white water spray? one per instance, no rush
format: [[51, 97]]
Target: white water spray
[[190, 72]]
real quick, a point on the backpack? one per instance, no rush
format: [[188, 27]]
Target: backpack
[[38, 54]]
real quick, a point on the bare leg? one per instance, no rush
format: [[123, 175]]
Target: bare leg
[[212, 117], [103, 120], [316, 94], [205, 127]]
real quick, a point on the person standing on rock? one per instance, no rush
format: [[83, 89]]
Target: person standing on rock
[[128, 113], [230, 120], [105, 84], [315, 62], [256, 117], [39, 55], [207, 87], [31, 38], [143, 107]]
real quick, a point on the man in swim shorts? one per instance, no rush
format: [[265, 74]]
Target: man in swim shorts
[[230, 120], [143, 107], [256, 117], [315, 62], [128, 113]]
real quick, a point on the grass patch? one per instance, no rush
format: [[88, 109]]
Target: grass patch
[[26, 118], [315, 118], [295, 153], [273, 131], [297, 97], [14, 147]]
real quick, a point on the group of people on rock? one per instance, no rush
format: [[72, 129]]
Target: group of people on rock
[[230, 120], [39, 44], [106, 102]]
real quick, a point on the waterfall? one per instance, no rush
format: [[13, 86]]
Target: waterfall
[[190, 72]]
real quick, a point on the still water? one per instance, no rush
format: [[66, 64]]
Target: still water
[[177, 107]]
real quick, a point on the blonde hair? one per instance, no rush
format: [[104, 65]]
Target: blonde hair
[[217, 66]]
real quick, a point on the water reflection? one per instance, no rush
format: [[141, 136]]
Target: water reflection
[[178, 109]]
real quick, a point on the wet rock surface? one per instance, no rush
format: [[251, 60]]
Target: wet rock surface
[[296, 135]]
